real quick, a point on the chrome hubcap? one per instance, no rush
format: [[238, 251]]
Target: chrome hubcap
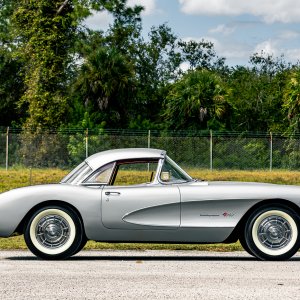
[[274, 232], [52, 231]]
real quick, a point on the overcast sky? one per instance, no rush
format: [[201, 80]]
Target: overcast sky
[[238, 28]]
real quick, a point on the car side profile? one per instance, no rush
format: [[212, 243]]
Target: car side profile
[[142, 195]]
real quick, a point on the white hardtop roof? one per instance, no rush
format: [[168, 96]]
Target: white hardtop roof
[[102, 158]]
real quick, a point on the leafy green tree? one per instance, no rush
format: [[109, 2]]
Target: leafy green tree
[[11, 89], [197, 101], [45, 30], [157, 64], [11, 79], [291, 101], [200, 54], [6, 10], [125, 31], [105, 81], [136, 71], [257, 93]]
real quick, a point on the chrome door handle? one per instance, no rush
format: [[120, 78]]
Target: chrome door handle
[[112, 193]]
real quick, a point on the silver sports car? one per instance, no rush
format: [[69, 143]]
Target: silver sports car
[[142, 195]]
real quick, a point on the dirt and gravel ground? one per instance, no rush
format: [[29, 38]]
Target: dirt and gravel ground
[[148, 275]]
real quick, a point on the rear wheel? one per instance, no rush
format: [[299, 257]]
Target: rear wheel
[[54, 232], [245, 246], [272, 233]]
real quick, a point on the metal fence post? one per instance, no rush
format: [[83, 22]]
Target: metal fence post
[[149, 144], [87, 142], [271, 151], [149, 138], [211, 150], [6, 150], [30, 176]]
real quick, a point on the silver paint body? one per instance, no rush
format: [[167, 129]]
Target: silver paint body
[[190, 212]]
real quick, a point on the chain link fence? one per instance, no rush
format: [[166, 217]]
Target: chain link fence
[[191, 149]]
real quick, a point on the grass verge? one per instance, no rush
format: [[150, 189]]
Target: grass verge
[[17, 243]]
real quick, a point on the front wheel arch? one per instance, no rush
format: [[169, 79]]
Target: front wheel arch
[[239, 229], [272, 232]]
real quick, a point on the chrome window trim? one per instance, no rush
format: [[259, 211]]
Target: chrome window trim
[[77, 173], [84, 181], [145, 160], [176, 166]]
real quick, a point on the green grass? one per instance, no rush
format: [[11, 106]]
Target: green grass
[[22, 177], [17, 243], [276, 176]]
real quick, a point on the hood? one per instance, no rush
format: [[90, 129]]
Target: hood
[[235, 183], [240, 183]]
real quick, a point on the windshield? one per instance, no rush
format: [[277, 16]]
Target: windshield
[[78, 174], [172, 173]]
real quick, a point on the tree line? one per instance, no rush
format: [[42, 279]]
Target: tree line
[[55, 72]]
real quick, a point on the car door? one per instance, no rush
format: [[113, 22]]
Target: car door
[[145, 206]]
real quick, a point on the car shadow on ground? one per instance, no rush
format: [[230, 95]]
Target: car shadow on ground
[[148, 258]]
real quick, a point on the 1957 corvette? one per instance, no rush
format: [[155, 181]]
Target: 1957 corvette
[[141, 195]]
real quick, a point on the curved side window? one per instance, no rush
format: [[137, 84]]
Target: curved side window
[[102, 175], [135, 172]]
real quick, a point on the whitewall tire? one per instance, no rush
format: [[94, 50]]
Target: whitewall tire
[[272, 233], [54, 232]]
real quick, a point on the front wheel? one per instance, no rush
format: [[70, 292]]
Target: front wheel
[[54, 232], [272, 233]]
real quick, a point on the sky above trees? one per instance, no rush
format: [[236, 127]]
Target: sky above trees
[[237, 28]]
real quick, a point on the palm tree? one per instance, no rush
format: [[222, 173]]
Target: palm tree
[[197, 98], [106, 78]]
